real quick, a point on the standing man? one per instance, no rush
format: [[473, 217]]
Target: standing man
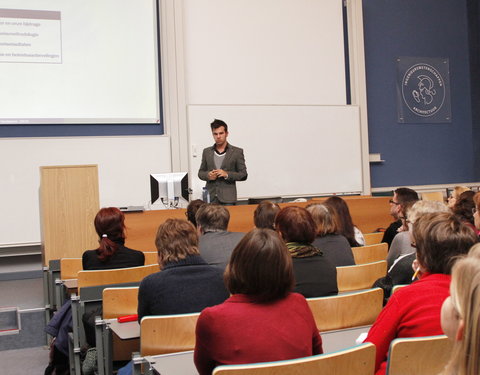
[[222, 165]]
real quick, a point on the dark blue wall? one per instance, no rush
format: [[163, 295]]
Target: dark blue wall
[[67, 130], [418, 154]]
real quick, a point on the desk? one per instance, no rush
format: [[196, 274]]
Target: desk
[[368, 213], [104, 340], [182, 363], [64, 288]]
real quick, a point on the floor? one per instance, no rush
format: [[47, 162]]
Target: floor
[[24, 294], [31, 361]]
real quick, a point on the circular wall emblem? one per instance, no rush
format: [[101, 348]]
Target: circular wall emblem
[[423, 90]]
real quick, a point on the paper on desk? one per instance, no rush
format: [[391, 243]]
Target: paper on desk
[[361, 338]]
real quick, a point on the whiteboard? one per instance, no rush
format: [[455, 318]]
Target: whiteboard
[[264, 52], [124, 166], [290, 151]]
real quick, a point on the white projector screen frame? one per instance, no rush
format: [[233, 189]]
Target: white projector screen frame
[[79, 62]]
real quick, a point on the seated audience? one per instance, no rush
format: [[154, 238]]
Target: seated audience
[[464, 207], [401, 197], [185, 283], [192, 209], [402, 253], [216, 243], [460, 316], [264, 215], [455, 194], [414, 310], [344, 221], [111, 252], [315, 275], [402, 242], [334, 246], [262, 321]]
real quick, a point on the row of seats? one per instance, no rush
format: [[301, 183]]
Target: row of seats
[[350, 278], [176, 333]]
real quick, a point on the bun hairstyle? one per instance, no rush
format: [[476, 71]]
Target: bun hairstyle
[[110, 226]]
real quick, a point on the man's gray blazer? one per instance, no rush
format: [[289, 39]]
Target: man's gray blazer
[[216, 247], [233, 163]]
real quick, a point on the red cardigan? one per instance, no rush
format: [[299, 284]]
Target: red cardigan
[[240, 331], [412, 311]]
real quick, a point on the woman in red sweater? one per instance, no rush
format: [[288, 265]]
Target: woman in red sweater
[[262, 321], [414, 310]]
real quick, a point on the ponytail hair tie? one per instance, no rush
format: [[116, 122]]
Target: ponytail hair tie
[[104, 236]]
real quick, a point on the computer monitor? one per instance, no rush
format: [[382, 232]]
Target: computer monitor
[[170, 189]]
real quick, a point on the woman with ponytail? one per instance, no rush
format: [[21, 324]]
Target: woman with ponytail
[[111, 252]]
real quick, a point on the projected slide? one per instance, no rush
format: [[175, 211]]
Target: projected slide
[[30, 36], [83, 61]]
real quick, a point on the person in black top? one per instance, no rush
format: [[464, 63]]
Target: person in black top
[[335, 246], [315, 275], [111, 252], [186, 283], [401, 197]]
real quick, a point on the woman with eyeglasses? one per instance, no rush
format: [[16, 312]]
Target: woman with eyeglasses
[[401, 244], [455, 194], [402, 253], [414, 310]]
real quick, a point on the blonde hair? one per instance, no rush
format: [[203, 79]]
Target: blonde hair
[[425, 207], [476, 199], [465, 297], [324, 219]]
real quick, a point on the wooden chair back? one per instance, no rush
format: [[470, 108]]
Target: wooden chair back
[[70, 267], [119, 302], [397, 287], [419, 355], [346, 310], [370, 253], [373, 238], [433, 196], [163, 334], [361, 276], [115, 276], [358, 360], [151, 257]]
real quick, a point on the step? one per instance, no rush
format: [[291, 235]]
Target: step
[[9, 320], [28, 329]]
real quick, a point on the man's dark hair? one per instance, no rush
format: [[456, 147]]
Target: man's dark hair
[[260, 266], [212, 217], [405, 195], [192, 209], [217, 123]]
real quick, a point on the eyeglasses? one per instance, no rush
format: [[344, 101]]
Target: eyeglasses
[[393, 202]]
